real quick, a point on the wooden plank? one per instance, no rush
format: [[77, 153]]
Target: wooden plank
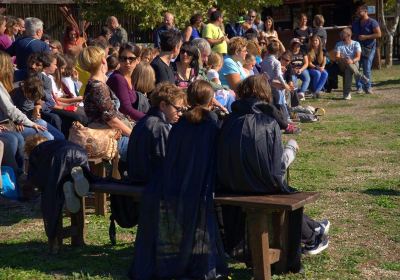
[[78, 229], [274, 255], [280, 225], [259, 244], [277, 201]]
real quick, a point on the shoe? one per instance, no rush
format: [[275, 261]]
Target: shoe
[[360, 91], [364, 79], [292, 129], [321, 243], [347, 96], [323, 229], [81, 184], [369, 91], [301, 96], [72, 202], [316, 95]]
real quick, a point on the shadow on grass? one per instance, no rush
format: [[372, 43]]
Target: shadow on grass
[[381, 191], [391, 82], [98, 261], [15, 211]]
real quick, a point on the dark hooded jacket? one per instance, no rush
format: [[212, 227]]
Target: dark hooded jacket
[[178, 234], [50, 165], [250, 150], [147, 146]]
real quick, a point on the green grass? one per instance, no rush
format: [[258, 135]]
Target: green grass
[[351, 157]]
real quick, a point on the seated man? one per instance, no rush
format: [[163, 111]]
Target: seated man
[[251, 160], [58, 168], [348, 54]]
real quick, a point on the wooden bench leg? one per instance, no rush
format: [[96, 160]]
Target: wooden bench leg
[[100, 202], [259, 244], [281, 234], [78, 229]]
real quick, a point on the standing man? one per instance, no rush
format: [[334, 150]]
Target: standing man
[[24, 46], [119, 34], [214, 35], [251, 17], [348, 54], [366, 30], [170, 45], [168, 24]]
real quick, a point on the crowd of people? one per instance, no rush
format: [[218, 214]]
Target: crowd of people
[[200, 112]]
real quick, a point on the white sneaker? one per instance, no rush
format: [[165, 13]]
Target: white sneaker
[[347, 97], [301, 96]]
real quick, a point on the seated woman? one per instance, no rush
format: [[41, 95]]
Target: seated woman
[[148, 143], [316, 65], [300, 64], [250, 145], [186, 65], [100, 104], [178, 235], [7, 108], [120, 82], [232, 72]]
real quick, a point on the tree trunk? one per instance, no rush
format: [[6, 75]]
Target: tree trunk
[[389, 51]]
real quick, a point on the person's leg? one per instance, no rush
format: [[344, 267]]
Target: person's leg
[[315, 76], [347, 80], [52, 119], [321, 81], [289, 154], [10, 141], [28, 131], [55, 132], [359, 84], [305, 78], [367, 67], [123, 148], [1, 160]]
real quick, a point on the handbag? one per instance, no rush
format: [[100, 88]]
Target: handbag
[[98, 142]]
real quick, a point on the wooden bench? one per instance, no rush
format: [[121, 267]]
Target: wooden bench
[[267, 219]]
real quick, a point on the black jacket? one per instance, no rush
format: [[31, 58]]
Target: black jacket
[[147, 146], [250, 150]]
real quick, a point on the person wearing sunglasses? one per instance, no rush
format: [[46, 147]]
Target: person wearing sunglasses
[[120, 81], [186, 66]]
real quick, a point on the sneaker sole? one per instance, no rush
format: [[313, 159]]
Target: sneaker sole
[[318, 250], [81, 184], [71, 200]]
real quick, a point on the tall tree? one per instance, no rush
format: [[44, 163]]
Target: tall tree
[[389, 28]]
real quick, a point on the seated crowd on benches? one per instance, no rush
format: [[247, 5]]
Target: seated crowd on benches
[[197, 114]]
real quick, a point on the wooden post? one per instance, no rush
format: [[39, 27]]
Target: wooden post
[[78, 230], [280, 240], [259, 243], [97, 168]]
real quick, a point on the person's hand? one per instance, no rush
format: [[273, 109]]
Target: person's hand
[[19, 127], [287, 87], [349, 61], [3, 128], [283, 68], [39, 127], [362, 37], [321, 69]]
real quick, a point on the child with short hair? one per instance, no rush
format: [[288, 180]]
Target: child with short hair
[[249, 64], [214, 64]]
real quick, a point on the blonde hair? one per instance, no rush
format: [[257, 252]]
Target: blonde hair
[[91, 58], [319, 55], [32, 141], [144, 78], [214, 60], [7, 71], [236, 44], [253, 48]]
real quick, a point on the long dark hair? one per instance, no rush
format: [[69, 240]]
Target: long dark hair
[[194, 53], [199, 94]]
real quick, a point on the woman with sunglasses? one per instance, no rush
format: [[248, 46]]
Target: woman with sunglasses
[[120, 81], [186, 66]]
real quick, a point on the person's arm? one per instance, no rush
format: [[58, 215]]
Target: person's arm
[[310, 64], [375, 35], [207, 34], [233, 80], [187, 33], [120, 87], [215, 41], [12, 112], [156, 39], [305, 66], [118, 124]]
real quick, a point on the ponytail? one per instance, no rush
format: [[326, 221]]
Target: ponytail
[[196, 115], [200, 94]]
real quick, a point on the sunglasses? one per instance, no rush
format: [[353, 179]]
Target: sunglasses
[[127, 58], [187, 52], [178, 109]]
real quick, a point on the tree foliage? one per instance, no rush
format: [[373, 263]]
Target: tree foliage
[[150, 12]]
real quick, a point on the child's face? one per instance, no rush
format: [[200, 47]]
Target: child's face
[[219, 66]]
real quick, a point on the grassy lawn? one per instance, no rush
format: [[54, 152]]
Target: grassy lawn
[[351, 157]]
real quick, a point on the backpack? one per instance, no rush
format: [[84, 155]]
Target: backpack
[[142, 103], [124, 211], [9, 189]]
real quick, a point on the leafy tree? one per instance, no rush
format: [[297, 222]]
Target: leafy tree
[[389, 28]]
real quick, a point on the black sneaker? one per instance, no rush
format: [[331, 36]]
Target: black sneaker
[[321, 243]]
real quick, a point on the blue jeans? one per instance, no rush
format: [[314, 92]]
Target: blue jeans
[[13, 150], [318, 79], [305, 78], [51, 134], [123, 148], [366, 65]]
